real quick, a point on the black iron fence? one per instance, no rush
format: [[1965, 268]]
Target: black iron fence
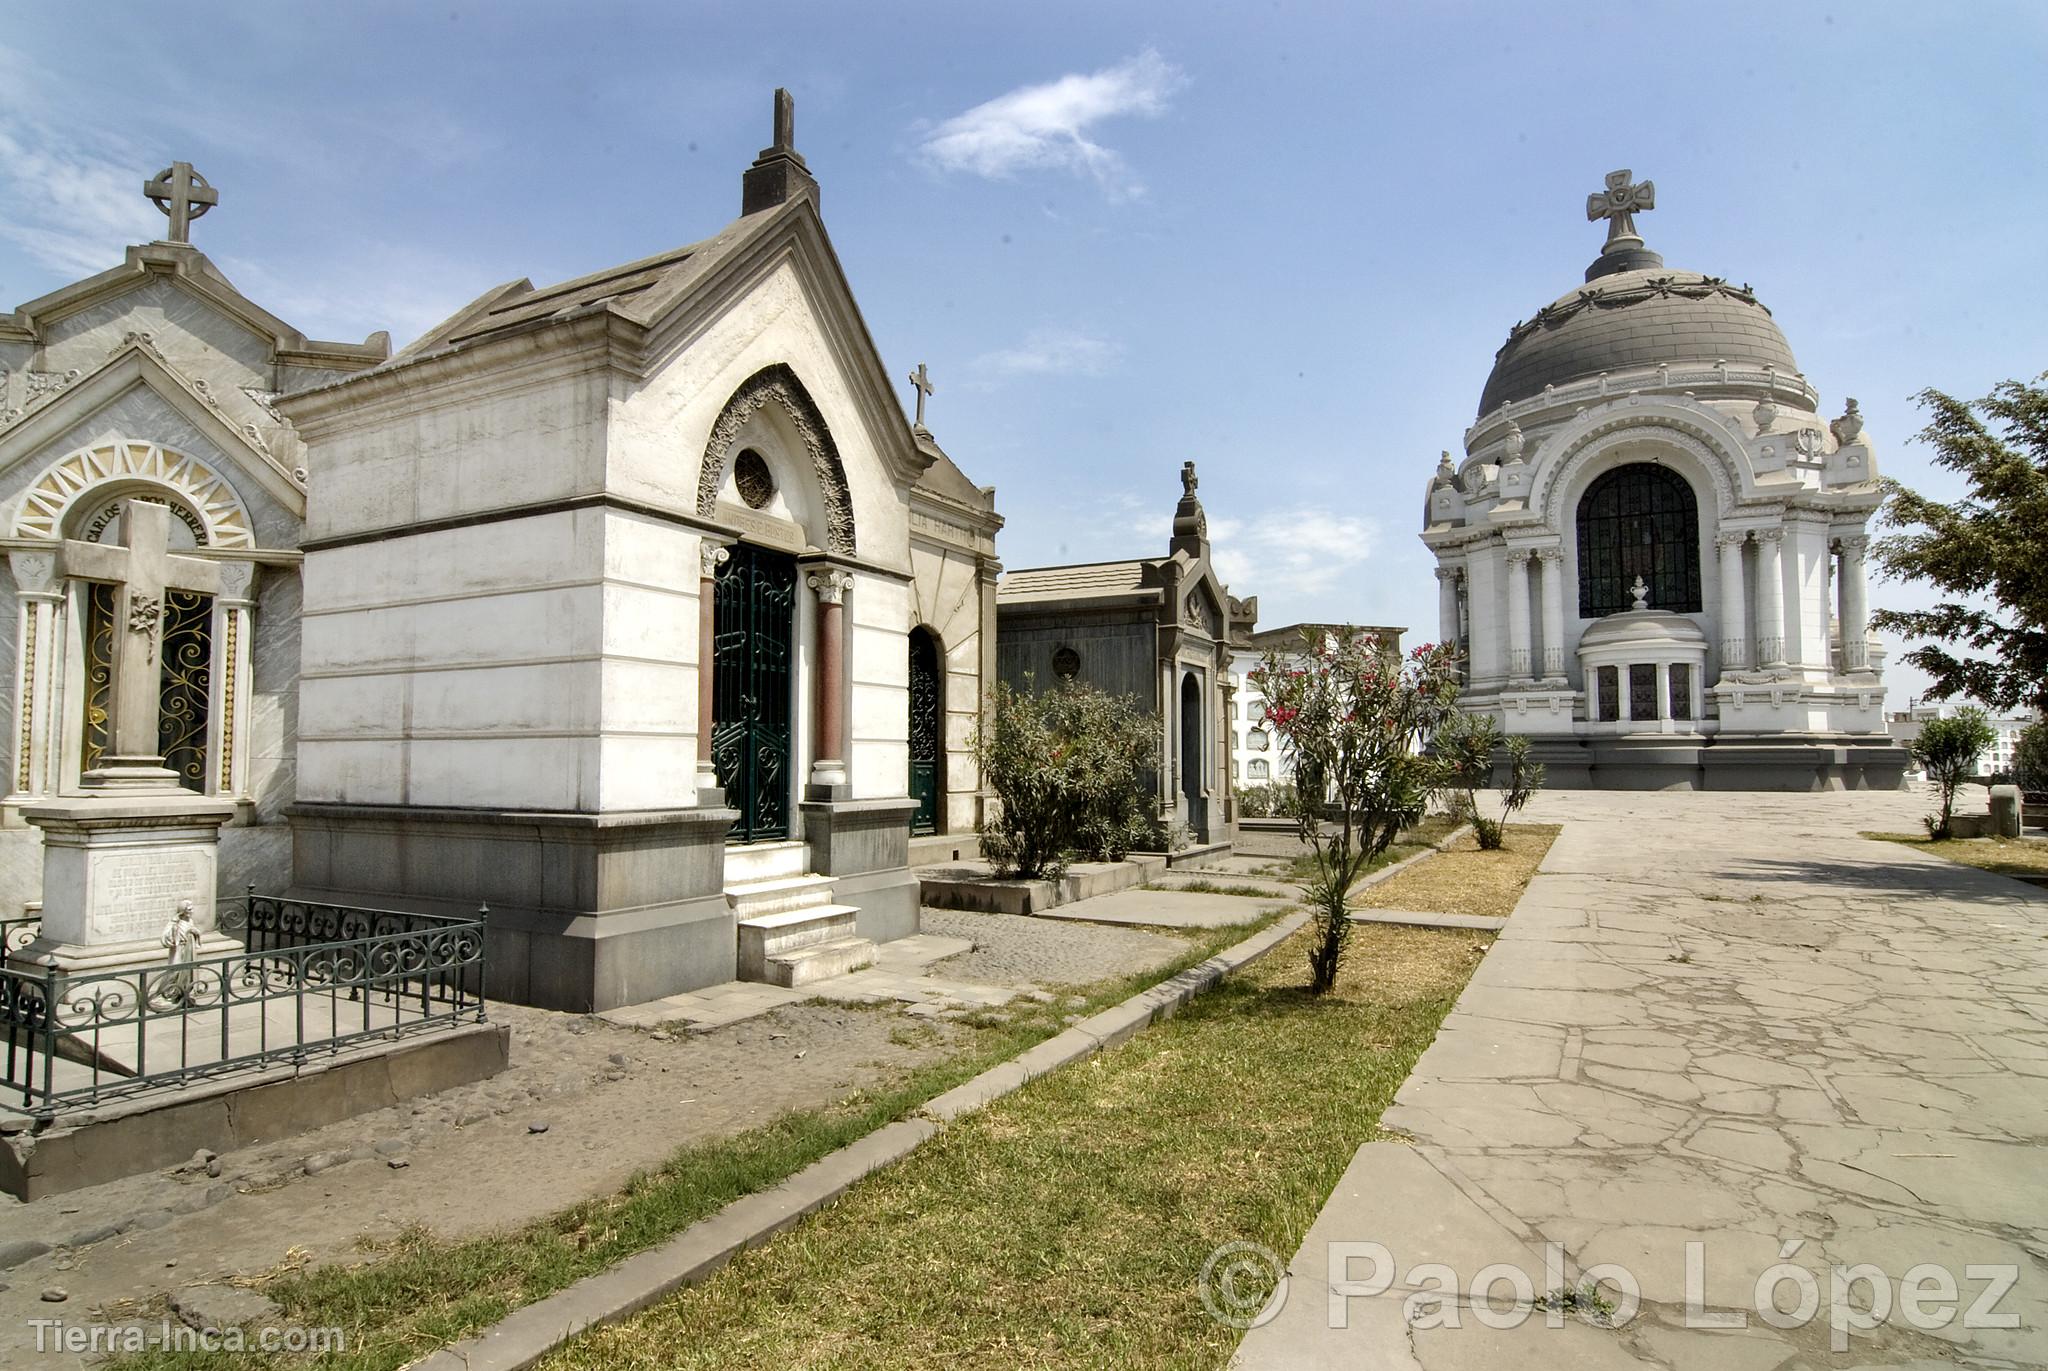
[[311, 978]]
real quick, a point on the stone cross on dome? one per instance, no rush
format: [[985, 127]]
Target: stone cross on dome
[[1620, 203], [183, 195]]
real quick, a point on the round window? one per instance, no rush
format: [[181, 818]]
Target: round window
[[1066, 663], [753, 480]]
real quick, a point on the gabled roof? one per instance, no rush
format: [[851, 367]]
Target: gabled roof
[[1085, 581], [195, 272], [138, 363]]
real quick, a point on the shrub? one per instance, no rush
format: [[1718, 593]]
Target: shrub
[[1066, 766], [2030, 759], [1349, 714], [1466, 745], [1947, 749], [1266, 801]]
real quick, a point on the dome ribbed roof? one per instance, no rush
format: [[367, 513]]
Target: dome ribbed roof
[[1631, 319]]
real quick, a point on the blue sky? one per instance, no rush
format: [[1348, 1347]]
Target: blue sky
[[1283, 241]]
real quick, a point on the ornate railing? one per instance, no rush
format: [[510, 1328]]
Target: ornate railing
[[311, 979]]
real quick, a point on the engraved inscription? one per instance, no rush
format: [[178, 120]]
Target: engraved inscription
[[135, 893]]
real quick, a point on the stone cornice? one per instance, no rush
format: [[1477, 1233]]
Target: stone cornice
[[1711, 380]]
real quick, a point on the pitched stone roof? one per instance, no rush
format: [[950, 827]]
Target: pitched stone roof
[[1087, 581]]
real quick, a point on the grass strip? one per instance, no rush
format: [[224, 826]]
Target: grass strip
[[1464, 880], [1067, 1224], [2005, 856], [419, 1292]]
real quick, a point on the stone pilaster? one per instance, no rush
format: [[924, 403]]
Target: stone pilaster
[[1734, 609], [1770, 598], [1552, 559], [1518, 613], [1855, 611], [710, 556]]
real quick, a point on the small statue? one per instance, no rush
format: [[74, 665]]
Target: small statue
[[181, 936], [1446, 475], [1515, 441], [1187, 480], [1847, 428]]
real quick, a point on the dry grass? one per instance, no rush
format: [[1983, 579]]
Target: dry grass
[[2006, 856], [1464, 880], [1067, 1224]]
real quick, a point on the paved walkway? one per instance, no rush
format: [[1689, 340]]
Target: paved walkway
[[1721, 1020]]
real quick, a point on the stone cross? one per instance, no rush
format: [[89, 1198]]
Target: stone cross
[[143, 570], [182, 194], [785, 121], [1619, 204], [923, 381]]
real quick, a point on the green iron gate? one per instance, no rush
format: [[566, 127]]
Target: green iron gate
[[754, 625], [924, 731]]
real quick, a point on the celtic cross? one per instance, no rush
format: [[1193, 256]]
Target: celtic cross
[[1620, 203], [183, 195]]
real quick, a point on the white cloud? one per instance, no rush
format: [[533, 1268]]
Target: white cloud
[[73, 206], [1287, 554], [1047, 126], [1054, 352]]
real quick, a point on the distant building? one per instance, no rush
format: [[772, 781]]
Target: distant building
[[1256, 755], [1904, 726]]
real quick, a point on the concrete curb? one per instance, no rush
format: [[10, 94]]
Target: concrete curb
[[525, 1336]]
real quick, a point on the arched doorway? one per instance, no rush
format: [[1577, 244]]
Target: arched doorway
[[926, 713], [1191, 753], [753, 630]]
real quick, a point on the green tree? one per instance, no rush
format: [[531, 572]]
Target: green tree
[[2030, 759], [1466, 745], [1987, 546], [1350, 714], [1066, 766], [1948, 750]]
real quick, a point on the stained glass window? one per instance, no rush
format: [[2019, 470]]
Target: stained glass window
[[1642, 691], [1681, 690], [1610, 695], [1639, 520]]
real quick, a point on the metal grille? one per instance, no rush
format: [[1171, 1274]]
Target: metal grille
[[1639, 520], [99, 671], [754, 623], [1610, 694], [924, 731], [185, 691], [1681, 690], [1642, 691]]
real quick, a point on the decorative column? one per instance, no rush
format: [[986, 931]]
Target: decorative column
[[1734, 609], [710, 557], [1592, 694], [1553, 612], [1518, 613], [828, 769], [1664, 696], [1770, 598], [1447, 604], [38, 661], [1855, 613], [233, 669]]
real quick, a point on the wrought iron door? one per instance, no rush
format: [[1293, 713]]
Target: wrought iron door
[[184, 686], [755, 617], [924, 731]]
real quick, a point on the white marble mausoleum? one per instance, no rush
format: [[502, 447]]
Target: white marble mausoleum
[[1653, 550]]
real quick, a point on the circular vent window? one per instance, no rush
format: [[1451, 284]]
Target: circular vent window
[[1066, 663], [750, 475]]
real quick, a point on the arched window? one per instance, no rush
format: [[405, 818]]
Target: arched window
[[1257, 740], [1258, 770], [1639, 520]]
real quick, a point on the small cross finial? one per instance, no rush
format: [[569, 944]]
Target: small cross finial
[[1620, 203], [183, 195], [1188, 480], [922, 380], [785, 121]]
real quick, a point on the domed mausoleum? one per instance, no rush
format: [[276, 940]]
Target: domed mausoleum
[[1653, 551]]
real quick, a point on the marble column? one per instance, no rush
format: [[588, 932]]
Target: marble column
[[38, 662], [1447, 604], [1663, 693], [1734, 606], [1855, 612], [1770, 598], [1592, 694], [1518, 613], [1552, 559], [710, 557], [233, 639], [828, 769]]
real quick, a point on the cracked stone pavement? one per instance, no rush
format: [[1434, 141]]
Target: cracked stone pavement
[[1722, 1019]]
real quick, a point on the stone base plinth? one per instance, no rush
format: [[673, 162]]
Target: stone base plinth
[[115, 870]]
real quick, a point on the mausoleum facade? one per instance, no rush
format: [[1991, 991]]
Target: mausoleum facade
[[1653, 552]]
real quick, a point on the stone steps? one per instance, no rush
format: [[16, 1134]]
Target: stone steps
[[819, 961], [781, 894], [746, 863], [769, 941]]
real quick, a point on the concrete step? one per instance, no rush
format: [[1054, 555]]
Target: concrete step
[[757, 898], [819, 961], [746, 863], [770, 935]]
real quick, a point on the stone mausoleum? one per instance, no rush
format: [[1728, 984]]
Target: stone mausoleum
[[1653, 551], [633, 607]]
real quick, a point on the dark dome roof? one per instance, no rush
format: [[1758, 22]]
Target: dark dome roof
[[1635, 319]]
